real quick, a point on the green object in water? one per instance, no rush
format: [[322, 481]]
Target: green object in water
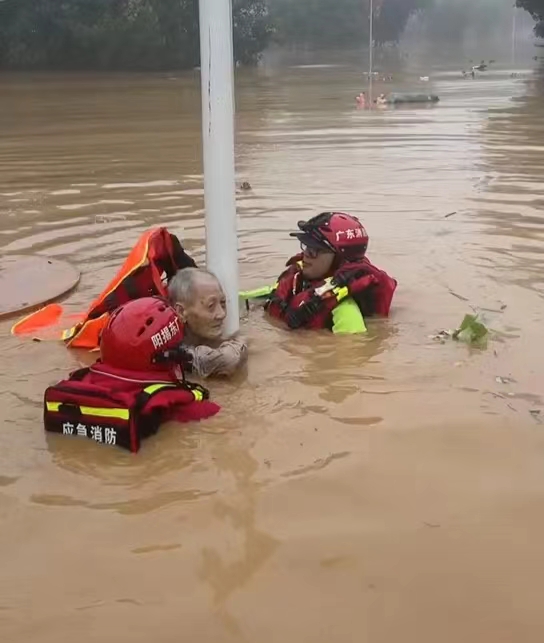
[[472, 331], [258, 293]]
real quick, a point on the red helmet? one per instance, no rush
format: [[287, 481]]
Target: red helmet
[[338, 232], [140, 334]]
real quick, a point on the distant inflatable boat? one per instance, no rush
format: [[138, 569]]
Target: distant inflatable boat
[[399, 99]]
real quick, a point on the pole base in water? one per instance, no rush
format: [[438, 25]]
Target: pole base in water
[[29, 282]]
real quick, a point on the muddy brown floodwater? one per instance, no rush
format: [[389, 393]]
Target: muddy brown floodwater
[[383, 489]]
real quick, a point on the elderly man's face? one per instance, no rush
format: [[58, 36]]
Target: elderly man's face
[[206, 312]]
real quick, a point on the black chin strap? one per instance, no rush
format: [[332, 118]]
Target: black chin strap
[[176, 355]]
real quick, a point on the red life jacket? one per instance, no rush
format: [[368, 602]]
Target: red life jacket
[[303, 304], [121, 408]]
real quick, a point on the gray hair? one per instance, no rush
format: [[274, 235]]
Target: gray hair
[[182, 286]]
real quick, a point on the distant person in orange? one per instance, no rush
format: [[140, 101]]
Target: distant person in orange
[[361, 100]]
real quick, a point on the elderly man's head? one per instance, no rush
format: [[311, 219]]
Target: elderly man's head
[[200, 301]]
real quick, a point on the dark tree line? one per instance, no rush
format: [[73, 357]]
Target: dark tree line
[[536, 9], [163, 34], [119, 34]]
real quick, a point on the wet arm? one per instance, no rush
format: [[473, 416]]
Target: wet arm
[[224, 360]]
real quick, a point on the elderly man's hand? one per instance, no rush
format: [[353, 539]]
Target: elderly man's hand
[[223, 360]]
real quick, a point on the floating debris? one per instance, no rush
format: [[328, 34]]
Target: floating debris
[[472, 331], [536, 415], [442, 336], [457, 295], [505, 380], [108, 218]]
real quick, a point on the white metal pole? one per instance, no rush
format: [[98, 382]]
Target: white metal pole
[[370, 52], [514, 37], [217, 78]]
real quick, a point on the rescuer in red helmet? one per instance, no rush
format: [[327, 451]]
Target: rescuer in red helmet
[[144, 336], [330, 283], [138, 384]]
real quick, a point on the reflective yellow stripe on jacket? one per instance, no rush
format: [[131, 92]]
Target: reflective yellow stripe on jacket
[[153, 388], [120, 414], [197, 393]]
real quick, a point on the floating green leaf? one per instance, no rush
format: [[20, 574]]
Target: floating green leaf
[[472, 331]]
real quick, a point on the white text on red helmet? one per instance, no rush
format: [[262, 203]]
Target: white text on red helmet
[[350, 234], [166, 334]]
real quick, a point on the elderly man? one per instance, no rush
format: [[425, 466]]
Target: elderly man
[[199, 299]]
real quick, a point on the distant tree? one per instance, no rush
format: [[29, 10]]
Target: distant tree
[[252, 29], [448, 20], [536, 9], [391, 17], [319, 22], [340, 22]]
